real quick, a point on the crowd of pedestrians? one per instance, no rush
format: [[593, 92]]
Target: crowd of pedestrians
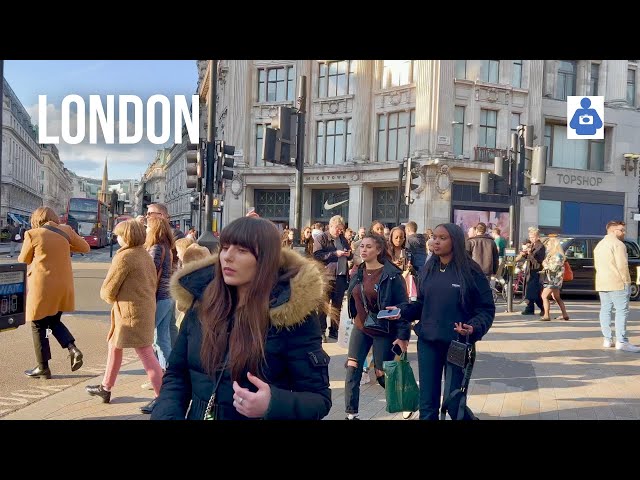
[[238, 333]]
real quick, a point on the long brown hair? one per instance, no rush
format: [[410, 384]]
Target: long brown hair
[[159, 231], [220, 302]]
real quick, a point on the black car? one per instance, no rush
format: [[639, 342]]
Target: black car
[[579, 252]]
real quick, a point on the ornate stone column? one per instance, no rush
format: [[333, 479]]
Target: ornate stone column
[[237, 80], [534, 114], [427, 81], [361, 116], [616, 91]]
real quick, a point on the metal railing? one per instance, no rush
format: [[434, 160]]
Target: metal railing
[[486, 154]]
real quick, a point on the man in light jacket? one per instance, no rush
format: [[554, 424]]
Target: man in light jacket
[[613, 283]]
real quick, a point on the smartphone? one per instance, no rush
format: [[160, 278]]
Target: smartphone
[[388, 313], [396, 349]]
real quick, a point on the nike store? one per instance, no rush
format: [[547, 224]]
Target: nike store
[[327, 203]]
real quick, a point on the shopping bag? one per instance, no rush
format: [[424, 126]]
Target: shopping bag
[[401, 390], [412, 287], [345, 327]]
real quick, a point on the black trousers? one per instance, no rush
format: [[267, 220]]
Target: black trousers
[[359, 345], [432, 359], [40, 340], [336, 294]]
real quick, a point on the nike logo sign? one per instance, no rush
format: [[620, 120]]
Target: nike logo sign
[[331, 206]]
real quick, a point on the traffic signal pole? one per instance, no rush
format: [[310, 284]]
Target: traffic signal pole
[[302, 109], [207, 238], [403, 166]]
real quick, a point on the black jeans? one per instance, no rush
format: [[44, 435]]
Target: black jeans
[[359, 345], [432, 360], [40, 340], [336, 294]]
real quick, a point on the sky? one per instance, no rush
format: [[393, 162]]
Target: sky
[[59, 78]]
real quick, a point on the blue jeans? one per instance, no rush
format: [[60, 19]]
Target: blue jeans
[[162, 333], [432, 362], [618, 299]]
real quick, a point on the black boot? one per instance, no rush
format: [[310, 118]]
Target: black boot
[[333, 332], [148, 408], [99, 391], [76, 357], [38, 372]]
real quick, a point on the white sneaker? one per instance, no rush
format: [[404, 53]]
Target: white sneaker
[[627, 347], [607, 343]]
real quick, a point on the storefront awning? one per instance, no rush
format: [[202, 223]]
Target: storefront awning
[[17, 219]]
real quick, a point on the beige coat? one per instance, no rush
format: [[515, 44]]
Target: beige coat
[[130, 286], [612, 267], [50, 277]]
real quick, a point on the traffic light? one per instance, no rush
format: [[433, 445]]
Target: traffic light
[[410, 176], [279, 141], [539, 165], [528, 155], [195, 157], [225, 161]]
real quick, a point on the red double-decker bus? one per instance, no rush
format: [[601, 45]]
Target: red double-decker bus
[[89, 217]]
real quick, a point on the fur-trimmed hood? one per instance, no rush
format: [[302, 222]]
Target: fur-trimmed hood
[[292, 299]]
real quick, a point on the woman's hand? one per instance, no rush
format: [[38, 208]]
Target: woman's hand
[[394, 317], [404, 344], [249, 404], [463, 328]]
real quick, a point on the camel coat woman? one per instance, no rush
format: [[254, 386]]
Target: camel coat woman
[[130, 286], [47, 250], [50, 277]]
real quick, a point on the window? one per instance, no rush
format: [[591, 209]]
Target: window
[[396, 135], [458, 130], [490, 71], [550, 213], [631, 87], [276, 84], [577, 154], [515, 121], [516, 73], [566, 85], [577, 249], [461, 69], [593, 82], [488, 128], [336, 78], [273, 204], [259, 138], [397, 73], [385, 204], [333, 141]]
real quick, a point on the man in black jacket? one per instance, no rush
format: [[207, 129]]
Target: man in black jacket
[[333, 249], [416, 245], [483, 250]]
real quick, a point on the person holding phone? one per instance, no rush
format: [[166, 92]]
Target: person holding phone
[[454, 299], [382, 284]]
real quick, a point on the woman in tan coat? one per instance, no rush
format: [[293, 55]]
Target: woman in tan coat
[[130, 286], [46, 249]]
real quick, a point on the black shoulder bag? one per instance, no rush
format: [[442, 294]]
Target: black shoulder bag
[[460, 355], [372, 322]]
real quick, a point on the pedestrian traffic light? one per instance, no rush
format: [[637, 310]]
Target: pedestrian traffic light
[[409, 177], [225, 161], [194, 168], [528, 155]]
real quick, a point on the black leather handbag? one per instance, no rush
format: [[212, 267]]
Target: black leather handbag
[[372, 322], [459, 353]]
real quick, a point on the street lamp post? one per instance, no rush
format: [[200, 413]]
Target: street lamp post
[[207, 238]]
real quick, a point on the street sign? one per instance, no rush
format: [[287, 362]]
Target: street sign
[[509, 257]]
